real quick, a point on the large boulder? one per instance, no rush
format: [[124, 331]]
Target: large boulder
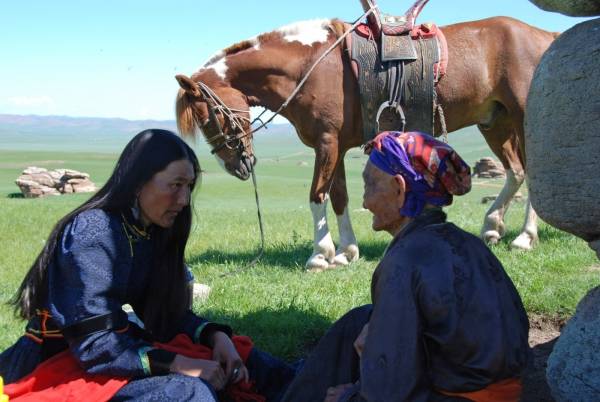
[[574, 8], [37, 182], [562, 133], [573, 370]]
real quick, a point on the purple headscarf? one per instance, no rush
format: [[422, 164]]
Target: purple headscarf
[[432, 170]]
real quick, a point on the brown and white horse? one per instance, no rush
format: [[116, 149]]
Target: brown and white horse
[[491, 63]]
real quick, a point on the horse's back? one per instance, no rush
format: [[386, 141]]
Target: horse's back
[[505, 34]]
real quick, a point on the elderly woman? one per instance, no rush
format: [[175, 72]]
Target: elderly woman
[[126, 246], [446, 322]]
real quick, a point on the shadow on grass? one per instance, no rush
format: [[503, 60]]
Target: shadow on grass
[[284, 255], [15, 195], [289, 333]]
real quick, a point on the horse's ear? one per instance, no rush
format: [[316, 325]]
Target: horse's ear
[[188, 85]]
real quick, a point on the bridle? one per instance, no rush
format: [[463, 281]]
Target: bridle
[[236, 121]]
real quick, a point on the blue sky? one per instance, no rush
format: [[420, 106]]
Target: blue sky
[[118, 58]]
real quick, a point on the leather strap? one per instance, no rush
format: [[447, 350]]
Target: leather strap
[[92, 325]]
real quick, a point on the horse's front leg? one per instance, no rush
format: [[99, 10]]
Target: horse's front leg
[[347, 251], [326, 157]]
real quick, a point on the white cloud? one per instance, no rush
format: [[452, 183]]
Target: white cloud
[[31, 101]]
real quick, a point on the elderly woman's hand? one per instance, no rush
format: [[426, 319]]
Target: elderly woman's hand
[[209, 370], [224, 353], [334, 393], [361, 339]]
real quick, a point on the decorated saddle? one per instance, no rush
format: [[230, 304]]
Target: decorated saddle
[[397, 65]]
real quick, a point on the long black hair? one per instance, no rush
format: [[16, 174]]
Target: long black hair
[[148, 153]]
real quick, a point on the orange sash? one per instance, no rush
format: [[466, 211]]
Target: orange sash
[[501, 391]]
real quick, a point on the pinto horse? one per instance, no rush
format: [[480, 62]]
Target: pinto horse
[[490, 66]]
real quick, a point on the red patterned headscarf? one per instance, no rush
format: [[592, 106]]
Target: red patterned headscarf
[[432, 170]]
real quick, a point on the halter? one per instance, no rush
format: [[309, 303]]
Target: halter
[[220, 140]]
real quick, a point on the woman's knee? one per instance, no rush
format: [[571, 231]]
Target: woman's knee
[[172, 387], [183, 387]]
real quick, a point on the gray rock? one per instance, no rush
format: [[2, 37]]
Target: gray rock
[[38, 182], [562, 132], [487, 168], [573, 371], [574, 8]]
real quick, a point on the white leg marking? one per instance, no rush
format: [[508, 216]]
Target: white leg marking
[[323, 248], [493, 225], [529, 236], [347, 252], [306, 32]]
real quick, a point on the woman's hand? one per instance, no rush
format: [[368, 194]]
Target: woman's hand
[[224, 353], [361, 339], [208, 370]]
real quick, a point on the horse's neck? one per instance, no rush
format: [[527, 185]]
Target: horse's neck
[[266, 76], [269, 72]]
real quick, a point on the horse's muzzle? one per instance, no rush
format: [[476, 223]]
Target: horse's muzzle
[[245, 167]]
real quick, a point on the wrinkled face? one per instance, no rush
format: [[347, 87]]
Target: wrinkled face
[[384, 196], [235, 152], [166, 194]]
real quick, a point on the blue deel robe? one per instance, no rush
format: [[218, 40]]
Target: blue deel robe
[[102, 262]]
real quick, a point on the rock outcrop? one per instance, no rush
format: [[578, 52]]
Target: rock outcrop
[[37, 182], [573, 370], [574, 8], [562, 133], [488, 168]]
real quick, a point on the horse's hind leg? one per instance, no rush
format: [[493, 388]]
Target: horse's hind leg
[[501, 138], [347, 251]]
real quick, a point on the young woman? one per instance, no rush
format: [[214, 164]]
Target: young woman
[[126, 246]]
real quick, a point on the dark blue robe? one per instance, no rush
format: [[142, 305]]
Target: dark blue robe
[[445, 316], [101, 263]]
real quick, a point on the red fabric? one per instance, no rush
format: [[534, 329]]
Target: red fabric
[[60, 378], [502, 391]]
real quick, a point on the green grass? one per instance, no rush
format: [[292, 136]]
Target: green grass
[[282, 307]]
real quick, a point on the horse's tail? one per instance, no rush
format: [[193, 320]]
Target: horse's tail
[[186, 124]]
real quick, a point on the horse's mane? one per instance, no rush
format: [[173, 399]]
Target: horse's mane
[[238, 47], [186, 124]]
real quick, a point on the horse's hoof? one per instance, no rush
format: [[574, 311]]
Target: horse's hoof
[[523, 242], [491, 237], [317, 263], [346, 256]]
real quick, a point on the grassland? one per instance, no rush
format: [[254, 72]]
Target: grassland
[[284, 308]]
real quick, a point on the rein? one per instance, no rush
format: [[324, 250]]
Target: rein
[[262, 234]]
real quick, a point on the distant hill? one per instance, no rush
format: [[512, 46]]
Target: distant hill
[[79, 134], [32, 132]]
